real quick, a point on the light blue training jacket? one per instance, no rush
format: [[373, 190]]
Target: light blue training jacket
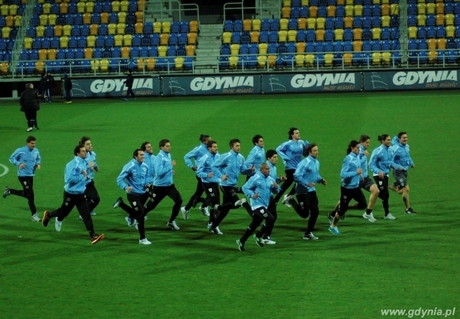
[[74, 180], [348, 176], [291, 152], [163, 169], [401, 154], [308, 172], [195, 154], [264, 186], [134, 174], [230, 164], [381, 160], [205, 167], [24, 155]]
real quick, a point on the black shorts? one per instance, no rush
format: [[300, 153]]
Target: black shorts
[[400, 178], [366, 183]]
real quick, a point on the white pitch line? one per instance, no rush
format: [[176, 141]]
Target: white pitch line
[[6, 170]]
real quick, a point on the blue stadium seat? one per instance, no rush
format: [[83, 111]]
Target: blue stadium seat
[[338, 23], [237, 26], [263, 36], [116, 52], [275, 25], [153, 52], [301, 36], [155, 39], [265, 25]]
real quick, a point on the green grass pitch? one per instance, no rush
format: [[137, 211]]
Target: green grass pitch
[[404, 264]]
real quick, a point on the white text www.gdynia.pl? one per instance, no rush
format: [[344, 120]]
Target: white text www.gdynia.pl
[[419, 312]]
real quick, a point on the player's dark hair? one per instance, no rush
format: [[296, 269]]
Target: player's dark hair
[[351, 145], [136, 152], [307, 150], [83, 140], [401, 134], [233, 141], [144, 145], [256, 139], [291, 131], [382, 137], [270, 153], [30, 138], [364, 138], [77, 149], [210, 143], [203, 138], [163, 142]]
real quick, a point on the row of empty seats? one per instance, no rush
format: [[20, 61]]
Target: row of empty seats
[[117, 52], [87, 18], [341, 11], [108, 41], [87, 7], [434, 32], [311, 35], [433, 8], [302, 3], [433, 20]]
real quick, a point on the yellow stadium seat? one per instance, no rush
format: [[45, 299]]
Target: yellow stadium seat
[[9, 21], [256, 23], [313, 11], [300, 60], [4, 66], [282, 36], [300, 47], [121, 28], [331, 11], [357, 34], [309, 60], [376, 32], [262, 61], [104, 65], [46, 8], [235, 49], [17, 21], [81, 7], [139, 28], [292, 35], [348, 22], [166, 27], [94, 65], [233, 62], [311, 23], [439, 8], [347, 59], [190, 50], [227, 38], [51, 54], [87, 18], [357, 46], [58, 30], [193, 25], [67, 30], [127, 40], [338, 34], [162, 50], [263, 48], [89, 7], [91, 41], [284, 24], [124, 5], [302, 24], [271, 60], [125, 51], [104, 17], [121, 17], [376, 58], [88, 52], [255, 37], [247, 25], [421, 8], [28, 43], [141, 64], [449, 19], [385, 9], [394, 9], [43, 54], [112, 28], [39, 67], [286, 3], [432, 44], [320, 23], [430, 8], [442, 44], [63, 8], [115, 6], [349, 10], [63, 42], [328, 59], [412, 32], [191, 38], [358, 10], [450, 31], [440, 19], [164, 39], [139, 17], [320, 35], [432, 56], [43, 19], [179, 63], [94, 29], [118, 40], [386, 58], [305, 3], [157, 27], [151, 64], [6, 32], [386, 20], [40, 31], [286, 12]]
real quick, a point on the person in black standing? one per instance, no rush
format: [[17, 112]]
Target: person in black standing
[[68, 88], [43, 87], [129, 84], [30, 104], [49, 86]]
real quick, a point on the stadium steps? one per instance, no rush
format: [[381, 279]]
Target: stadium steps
[[208, 51]]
